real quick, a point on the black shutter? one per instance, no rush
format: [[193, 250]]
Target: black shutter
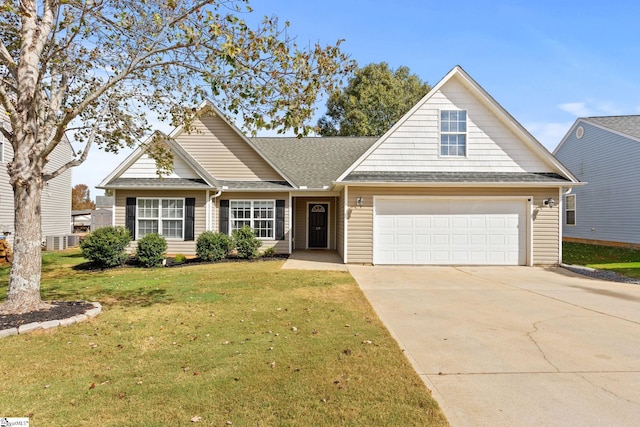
[[189, 215], [279, 219], [130, 217], [224, 216]]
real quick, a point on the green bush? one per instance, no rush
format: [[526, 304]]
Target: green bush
[[269, 252], [106, 246], [212, 246], [179, 258], [151, 250], [245, 242]]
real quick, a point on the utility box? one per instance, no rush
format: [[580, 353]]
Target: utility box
[[56, 243]]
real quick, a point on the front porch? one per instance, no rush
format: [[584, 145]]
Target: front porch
[[315, 259], [314, 223]]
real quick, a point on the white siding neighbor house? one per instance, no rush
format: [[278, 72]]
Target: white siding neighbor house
[[56, 195], [456, 181], [604, 152]]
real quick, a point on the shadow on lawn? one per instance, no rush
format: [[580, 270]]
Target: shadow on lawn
[[139, 297]]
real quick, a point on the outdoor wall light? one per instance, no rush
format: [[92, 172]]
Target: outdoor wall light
[[550, 202], [360, 201]]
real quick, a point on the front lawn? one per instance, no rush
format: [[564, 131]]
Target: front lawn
[[240, 343], [625, 261]]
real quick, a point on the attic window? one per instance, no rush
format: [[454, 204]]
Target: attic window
[[453, 133]]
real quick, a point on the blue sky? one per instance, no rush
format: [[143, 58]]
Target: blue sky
[[546, 62]]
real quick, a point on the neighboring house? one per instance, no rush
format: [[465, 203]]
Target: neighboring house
[[56, 194], [605, 153], [456, 181]]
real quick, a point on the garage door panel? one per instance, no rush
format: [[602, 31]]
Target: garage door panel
[[422, 239], [460, 239], [428, 231]]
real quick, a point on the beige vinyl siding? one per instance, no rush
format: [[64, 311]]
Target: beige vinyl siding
[[281, 246], [340, 224], [224, 153], [145, 167], [174, 246], [491, 145], [301, 231], [545, 220]]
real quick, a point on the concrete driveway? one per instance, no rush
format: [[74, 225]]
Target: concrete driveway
[[515, 346]]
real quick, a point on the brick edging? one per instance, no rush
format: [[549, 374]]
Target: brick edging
[[35, 326]]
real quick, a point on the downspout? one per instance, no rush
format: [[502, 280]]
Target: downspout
[[211, 200], [207, 212], [113, 210]]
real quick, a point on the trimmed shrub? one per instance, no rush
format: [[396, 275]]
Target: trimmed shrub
[[269, 252], [106, 247], [151, 250], [246, 242], [179, 258], [212, 246]]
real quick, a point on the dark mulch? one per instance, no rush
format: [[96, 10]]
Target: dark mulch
[[59, 310]]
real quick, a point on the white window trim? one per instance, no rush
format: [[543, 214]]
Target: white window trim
[[159, 218], [465, 133], [574, 210], [252, 219]]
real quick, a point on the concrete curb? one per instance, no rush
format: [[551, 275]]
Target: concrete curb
[[30, 327]]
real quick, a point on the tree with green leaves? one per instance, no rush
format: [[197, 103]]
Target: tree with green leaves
[[375, 98], [92, 70]]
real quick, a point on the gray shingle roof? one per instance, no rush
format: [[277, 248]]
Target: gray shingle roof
[[314, 162], [455, 177], [159, 183], [629, 125], [254, 185]]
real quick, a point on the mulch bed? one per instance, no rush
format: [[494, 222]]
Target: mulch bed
[[59, 310]]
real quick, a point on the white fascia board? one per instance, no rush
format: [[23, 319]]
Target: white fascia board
[[399, 123], [566, 135], [525, 136], [126, 164]]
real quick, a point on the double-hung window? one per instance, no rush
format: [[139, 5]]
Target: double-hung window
[[259, 215], [162, 216], [570, 209], [453, 133]]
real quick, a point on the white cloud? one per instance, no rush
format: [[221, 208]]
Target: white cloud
[[549, 134], [578, 109], [593, 108]]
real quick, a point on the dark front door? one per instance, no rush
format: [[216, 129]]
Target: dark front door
[[318, 225]]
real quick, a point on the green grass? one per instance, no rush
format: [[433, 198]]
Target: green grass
[[625, 261], [241, 342]]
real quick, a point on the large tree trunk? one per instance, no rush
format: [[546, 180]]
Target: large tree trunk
[[24, 279]]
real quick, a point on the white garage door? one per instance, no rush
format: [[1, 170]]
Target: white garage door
[[450, 231]]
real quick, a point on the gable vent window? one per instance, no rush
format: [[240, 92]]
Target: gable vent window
[[570, 210], [453, 133]]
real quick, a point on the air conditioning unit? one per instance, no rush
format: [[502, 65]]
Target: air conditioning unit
[[73, 240], [56, 243]]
